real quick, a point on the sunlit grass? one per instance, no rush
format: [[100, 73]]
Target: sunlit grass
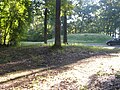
[[86, 38], [18, 52], [30, 43], [73, 39], [79, 45]]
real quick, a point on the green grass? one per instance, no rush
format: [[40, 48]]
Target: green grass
[[9, 54], [86, 38], [30, 43], [75, 39]]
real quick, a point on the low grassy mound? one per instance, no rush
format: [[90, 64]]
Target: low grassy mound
[[75, 38], [86, 38]]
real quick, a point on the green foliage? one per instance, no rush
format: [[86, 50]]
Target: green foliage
[[15, 19], [66, 5], [34, 35], [95, 17], [110, 14], [36, 31], [83, 17]]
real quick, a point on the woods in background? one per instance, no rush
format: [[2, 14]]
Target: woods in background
[[34, 20]]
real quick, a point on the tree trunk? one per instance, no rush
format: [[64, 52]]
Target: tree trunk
[[45, 26], [75, 29], [4, 38], [57, 25], [0, 37], [4, 41], [65, 29]]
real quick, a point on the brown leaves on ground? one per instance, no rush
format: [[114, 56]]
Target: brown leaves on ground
[[70, 68], [19, 59]]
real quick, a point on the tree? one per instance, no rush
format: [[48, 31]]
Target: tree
[[110, 15], [57, 25], [15, 19], [65, 29], [91, 17], [45, 23], [66, 10]]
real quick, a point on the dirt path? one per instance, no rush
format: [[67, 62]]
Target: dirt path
[[81, 74], [73, 69], [94, 73]]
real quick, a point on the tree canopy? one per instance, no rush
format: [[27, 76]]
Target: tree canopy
[[34, 20], [15, 19]]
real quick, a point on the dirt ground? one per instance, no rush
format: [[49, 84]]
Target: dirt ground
[[75, 71], [95, 73]]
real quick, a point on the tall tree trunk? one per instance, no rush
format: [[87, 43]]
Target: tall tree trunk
[[57, 25], [75, 29], [45, 26], [65, 29], [0, 37], [4, 37], [4, 40]]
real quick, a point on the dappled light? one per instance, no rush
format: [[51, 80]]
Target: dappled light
[[59, 44], [106, 81], [71, 61]]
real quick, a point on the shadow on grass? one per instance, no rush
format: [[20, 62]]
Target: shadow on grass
[[26, 58]]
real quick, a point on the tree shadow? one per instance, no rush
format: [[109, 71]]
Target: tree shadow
[[27, 58]]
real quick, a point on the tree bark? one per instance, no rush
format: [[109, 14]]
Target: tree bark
[[65, 29], [4, 41], [0, 37], [45, 26], [57, 25]]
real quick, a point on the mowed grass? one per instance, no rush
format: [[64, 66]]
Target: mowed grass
[[75, 39], [86, 38], [13, 54]]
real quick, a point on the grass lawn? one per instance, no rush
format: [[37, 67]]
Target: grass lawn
[[80, 39], [86, 38]]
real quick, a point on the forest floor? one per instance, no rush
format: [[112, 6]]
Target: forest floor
[[71, 68]]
